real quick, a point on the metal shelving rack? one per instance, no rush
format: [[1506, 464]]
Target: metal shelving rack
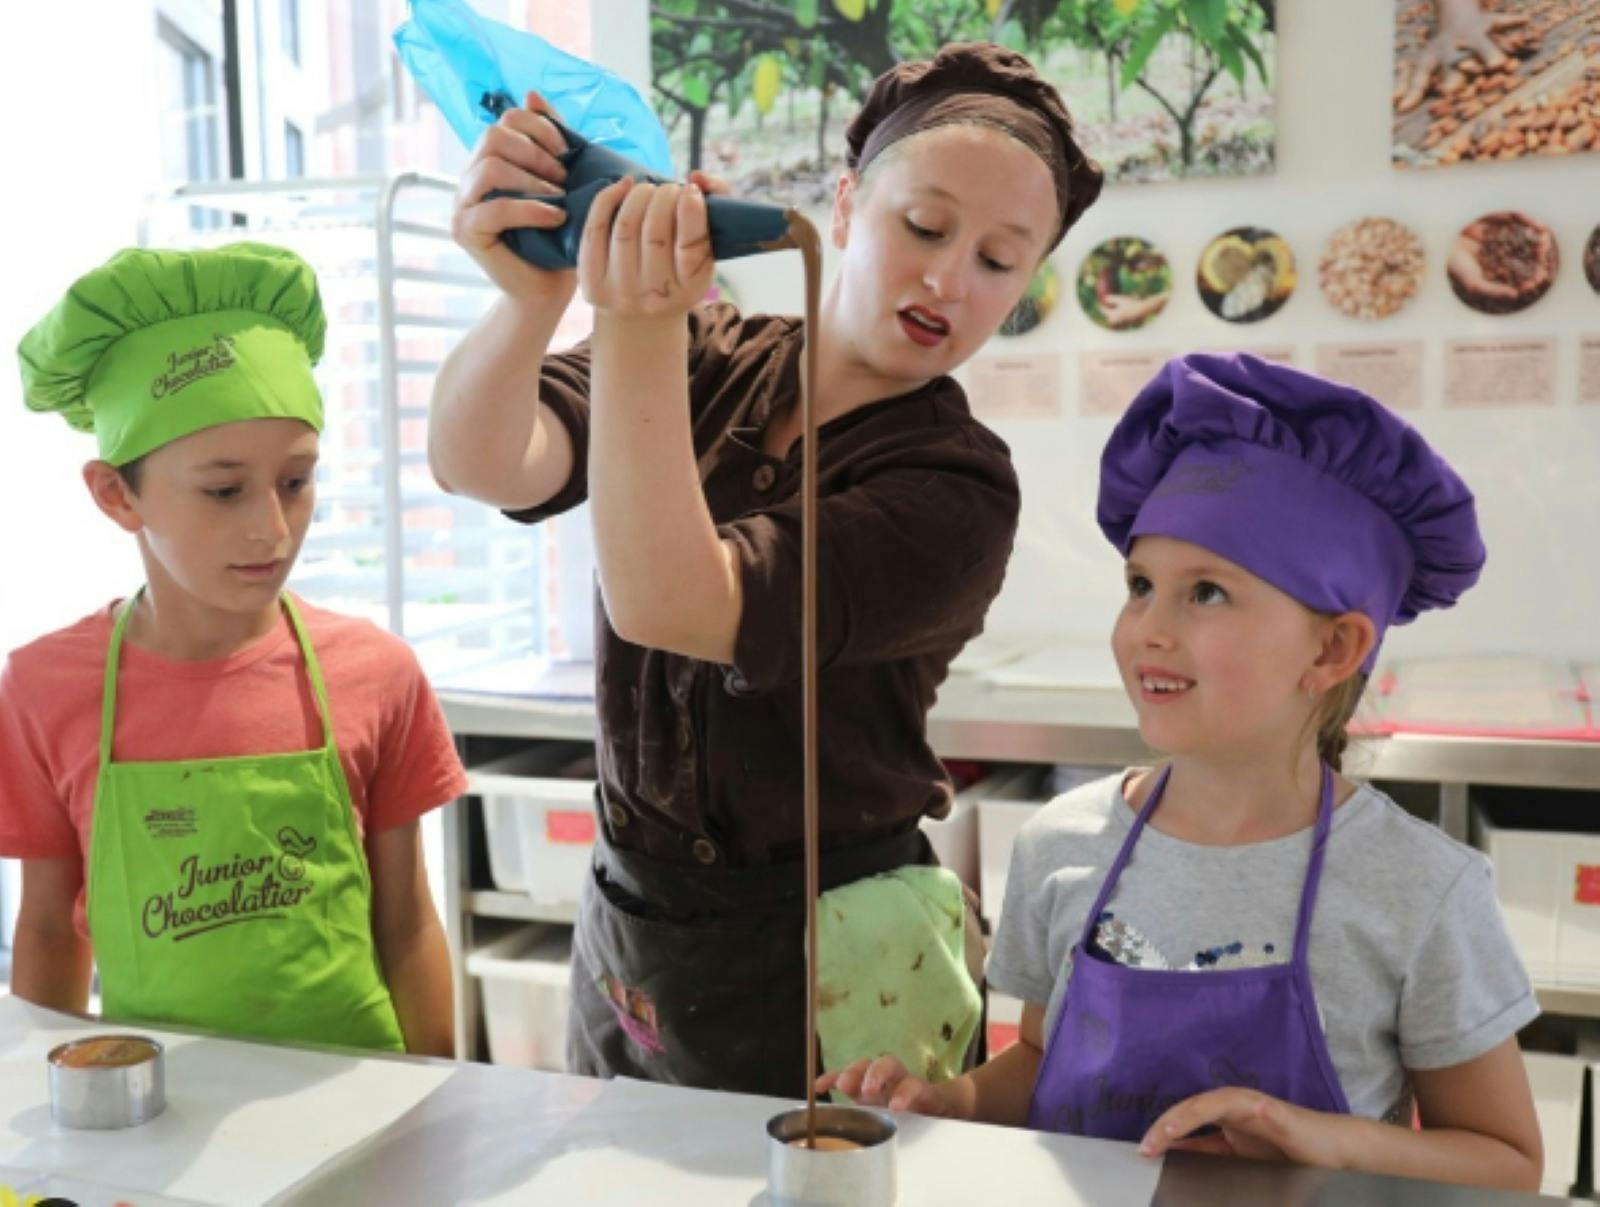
[[464, 587]]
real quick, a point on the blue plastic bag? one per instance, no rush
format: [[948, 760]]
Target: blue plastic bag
[[471, 66]]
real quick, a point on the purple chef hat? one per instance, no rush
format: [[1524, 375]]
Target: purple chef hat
[[1312, 486]]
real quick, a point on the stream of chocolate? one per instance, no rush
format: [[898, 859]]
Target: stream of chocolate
[[803, 236], [810, 244]]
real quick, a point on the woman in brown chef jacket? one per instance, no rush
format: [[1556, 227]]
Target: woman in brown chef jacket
[[678, 422]]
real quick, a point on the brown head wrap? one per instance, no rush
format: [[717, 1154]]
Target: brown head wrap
[[983, 84]]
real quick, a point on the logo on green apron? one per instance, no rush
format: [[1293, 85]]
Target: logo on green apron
[[296, 847], [257, 888], [171, 823]]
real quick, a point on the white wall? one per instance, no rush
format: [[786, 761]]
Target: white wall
[[1534, 470], [79, 180], [79, 136]]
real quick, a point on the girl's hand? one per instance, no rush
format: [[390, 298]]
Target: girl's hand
[[1251, 1124], [885, 1082], [517, 154], [646, 249]]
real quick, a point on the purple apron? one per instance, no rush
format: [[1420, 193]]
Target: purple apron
[[1131, 1042]]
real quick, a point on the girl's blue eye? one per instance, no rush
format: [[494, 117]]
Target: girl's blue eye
[[1209, 593], [1138, 586]]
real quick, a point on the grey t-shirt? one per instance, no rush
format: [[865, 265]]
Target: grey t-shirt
[[1410, 960]]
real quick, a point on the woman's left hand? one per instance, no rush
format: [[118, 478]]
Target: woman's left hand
[[646, 249], [1250, 1124], [708, 183]]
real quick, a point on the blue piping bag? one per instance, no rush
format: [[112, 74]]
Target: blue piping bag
[[474, 69], [460, 58]]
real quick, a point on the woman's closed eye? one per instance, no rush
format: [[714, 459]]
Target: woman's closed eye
[[930, 234]]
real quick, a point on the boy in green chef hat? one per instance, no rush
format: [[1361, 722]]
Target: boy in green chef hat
[[214, 787]]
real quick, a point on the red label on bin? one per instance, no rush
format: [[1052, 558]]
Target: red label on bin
[[1588, 890], [571, 826], [1001, 1036]]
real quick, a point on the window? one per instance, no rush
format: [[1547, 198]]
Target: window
[[294, 150], [10, 902], [187, 80], [289, 27]]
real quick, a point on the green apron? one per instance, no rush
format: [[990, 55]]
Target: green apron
[[232, 893]]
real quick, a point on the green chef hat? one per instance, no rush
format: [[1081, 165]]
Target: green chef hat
[[154, 345]]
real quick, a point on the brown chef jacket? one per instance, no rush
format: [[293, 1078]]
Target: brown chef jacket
[[917, 511]]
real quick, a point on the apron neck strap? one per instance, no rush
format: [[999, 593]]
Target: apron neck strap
[[1319, 849], [1308, 891], [108, 695], [1109, 884], [313, 667], [108, 698]]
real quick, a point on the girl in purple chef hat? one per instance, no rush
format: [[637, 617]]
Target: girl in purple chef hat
[[1280, 959]]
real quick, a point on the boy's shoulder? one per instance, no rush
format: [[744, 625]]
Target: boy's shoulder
[[352, 643], [356, 643], [62, 653]]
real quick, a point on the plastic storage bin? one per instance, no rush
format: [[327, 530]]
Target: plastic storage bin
[[524, 983], [1005, 803], [540, 827], [1547, 875], [954, 839], [1557, 1083], [1004, 1022]]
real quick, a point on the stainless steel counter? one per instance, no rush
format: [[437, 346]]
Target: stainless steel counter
[[251, 1122], [973, 720]]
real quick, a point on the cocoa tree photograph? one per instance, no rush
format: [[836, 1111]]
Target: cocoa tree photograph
[[759, 91]]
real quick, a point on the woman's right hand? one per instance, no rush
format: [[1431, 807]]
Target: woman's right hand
[[517, 153], [885, 1082]]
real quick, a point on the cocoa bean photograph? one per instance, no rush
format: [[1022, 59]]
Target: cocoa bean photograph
[[1503, 262], [1477, 81]]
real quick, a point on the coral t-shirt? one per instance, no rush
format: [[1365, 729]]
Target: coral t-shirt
[[398, 755]]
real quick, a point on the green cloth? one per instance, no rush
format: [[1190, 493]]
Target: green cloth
[[892, 974], [154, 345]]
